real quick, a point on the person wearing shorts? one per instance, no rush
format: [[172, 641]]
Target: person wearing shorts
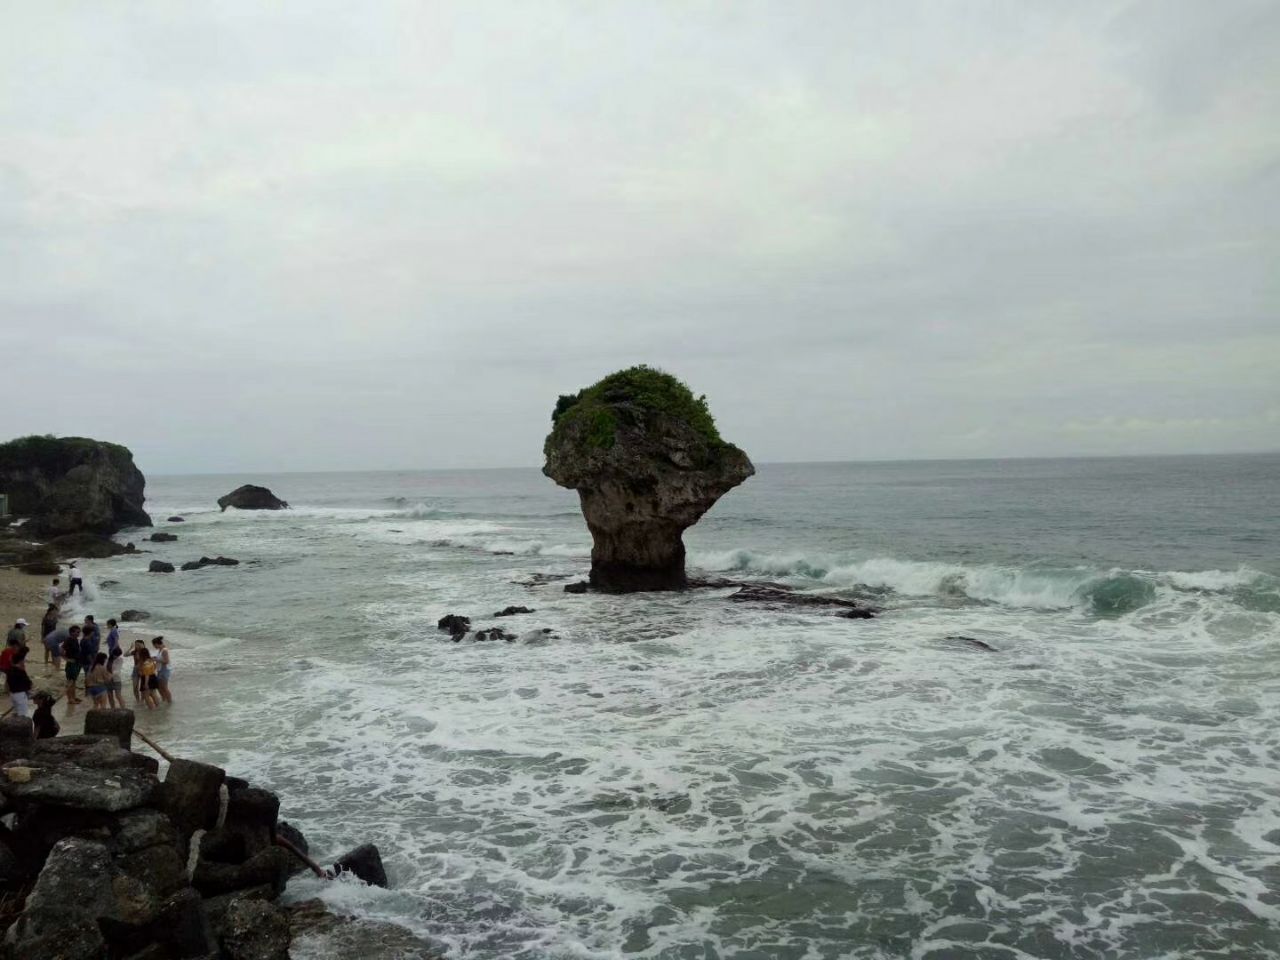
[[76, 580], [19, 683], [98, 683], [148, 681], [71, 656], [164, 669], [115, 660]]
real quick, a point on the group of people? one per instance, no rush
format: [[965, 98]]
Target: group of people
[[76, 651]]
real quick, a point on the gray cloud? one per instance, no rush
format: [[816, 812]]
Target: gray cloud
[[326, 236]]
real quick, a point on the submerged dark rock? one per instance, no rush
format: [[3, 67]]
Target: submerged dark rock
[[164, 537], [135, 616], [974, 642], [251, 497], [512, 611], [778, 596], [210, 562], [159, 566], [494, 633], [581, 586], [72, 485], [647, 462], [454, 624], [177, 520]]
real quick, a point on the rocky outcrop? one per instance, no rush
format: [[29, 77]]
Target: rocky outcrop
[[250, 497], [164, 537], [87, 546], [159, 566], [100, 858], [134, 616], [72, 485], [512, 611], [647, 461], [776, 595], [454, 624], [210, 562]]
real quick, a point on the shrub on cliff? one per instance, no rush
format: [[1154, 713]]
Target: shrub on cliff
[[626, 395]]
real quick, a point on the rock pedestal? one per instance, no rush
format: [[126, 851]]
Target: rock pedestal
[[647, 462]]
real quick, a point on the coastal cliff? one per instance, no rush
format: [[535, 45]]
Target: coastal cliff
[[72, 485], [647, 461]]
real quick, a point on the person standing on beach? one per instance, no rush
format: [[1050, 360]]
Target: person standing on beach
[[54, 641], [71, 655], [98, 683], [54, 592], [19, 683], [149, 683], [49, 626], [136, 654], [113, 636], [115, 660], [76, 579], [164, 669], [18, 633]]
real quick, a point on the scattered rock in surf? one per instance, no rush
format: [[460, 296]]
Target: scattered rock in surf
[[512, 611], [108, 583], [504, 553], [210, 562], [159, 566], [541, 579], [773, 596], [647, 461], [251, 497], [164, 537], [494, 633], [364, 862], [177, 520], [582, 586], [974, 642], [135, 616], [454, 624]]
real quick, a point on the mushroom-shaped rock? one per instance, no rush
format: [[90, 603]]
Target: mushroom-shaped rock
[[647, 461], [250, 497]]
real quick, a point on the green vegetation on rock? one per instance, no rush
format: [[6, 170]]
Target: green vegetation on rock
[[642, 389]]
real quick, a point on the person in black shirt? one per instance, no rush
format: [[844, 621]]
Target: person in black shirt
[[71, 656], [45, 723], [19, 683]]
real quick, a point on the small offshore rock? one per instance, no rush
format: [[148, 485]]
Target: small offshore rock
[[210, 562], [582, 586], [454, 624], [176, 520], [161, 537], [494, 633], [512, 611], [251, 497], [135, 616], [974, 642], [364, 862], [159, 566]]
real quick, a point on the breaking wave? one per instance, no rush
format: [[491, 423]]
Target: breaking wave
[[1111, 592]]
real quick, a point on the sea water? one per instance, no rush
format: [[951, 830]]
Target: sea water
[[681, 776]]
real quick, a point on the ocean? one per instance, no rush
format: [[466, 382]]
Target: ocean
[[679, 776]]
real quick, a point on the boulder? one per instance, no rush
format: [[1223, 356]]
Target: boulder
[[140, 829], [191, 794], [512, 611], [161, 537], [116, 723], [210, 562], [250, 497], [73, 785], [364, 862], [215, 907], [75, 884], [581, 586], [176, 520], [453, 624], [269, 866], [72, 485], [17, 737], [135, 616], [647, 461], [75, 940], [255, 930], [289, 832], [87, 545], [779, 596], [159, 566], [494, 633], [319, 933]]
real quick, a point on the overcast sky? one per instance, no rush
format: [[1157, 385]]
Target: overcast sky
[[245, 236]]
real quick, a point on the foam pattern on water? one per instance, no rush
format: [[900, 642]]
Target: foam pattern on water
[[679, 776]]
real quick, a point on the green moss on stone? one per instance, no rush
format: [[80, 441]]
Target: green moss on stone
[[643, 387]]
